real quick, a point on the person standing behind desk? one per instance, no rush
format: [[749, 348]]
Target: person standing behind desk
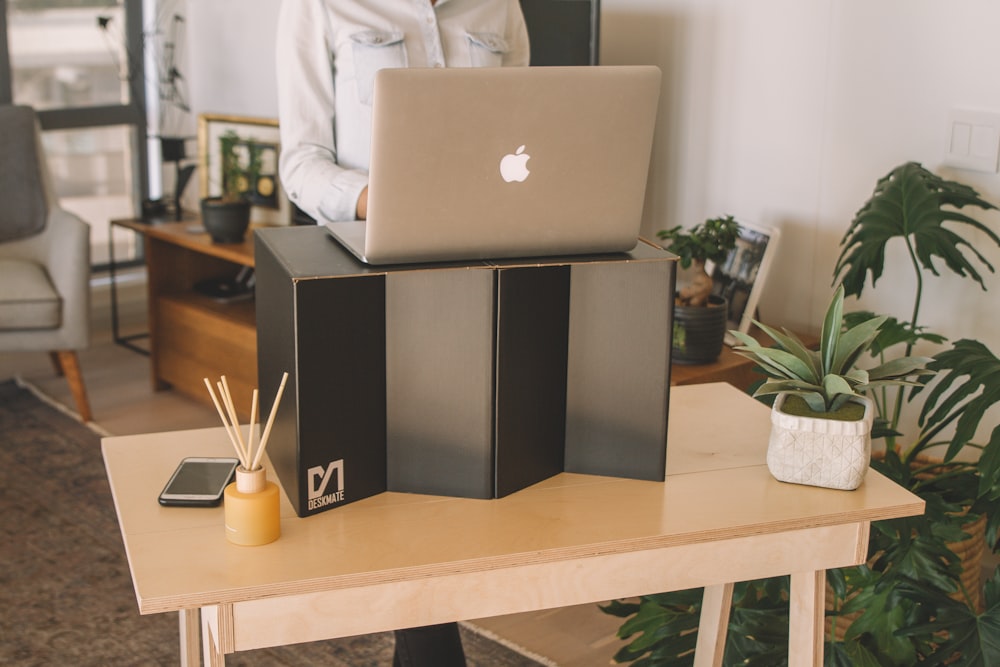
[[327, 54]]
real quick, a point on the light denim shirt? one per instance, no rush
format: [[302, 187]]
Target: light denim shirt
[[327, 54]]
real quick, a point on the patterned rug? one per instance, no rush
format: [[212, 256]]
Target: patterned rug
[[67, 596]]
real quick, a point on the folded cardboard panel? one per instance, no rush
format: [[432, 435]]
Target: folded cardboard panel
[[472, 380], [327, 331], [618, 369], [439, 381], [531, 331]]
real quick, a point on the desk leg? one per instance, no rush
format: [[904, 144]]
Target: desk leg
[[805, 623], [217, 634], [190, 626], [712, 627]]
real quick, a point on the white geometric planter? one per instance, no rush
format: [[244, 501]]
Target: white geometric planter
[[820, 452]]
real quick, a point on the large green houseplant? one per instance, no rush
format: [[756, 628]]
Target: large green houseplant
[[914, 603], [910, 604], [700, 318]]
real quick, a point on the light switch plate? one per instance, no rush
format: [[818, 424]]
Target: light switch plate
[[973, 140]]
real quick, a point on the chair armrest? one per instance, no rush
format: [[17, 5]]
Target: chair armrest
[[67, 259]]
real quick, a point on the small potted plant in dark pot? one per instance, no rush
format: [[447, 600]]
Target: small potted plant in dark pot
[[700, 317], [227, 217]]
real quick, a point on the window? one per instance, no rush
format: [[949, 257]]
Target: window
[[76, 63]]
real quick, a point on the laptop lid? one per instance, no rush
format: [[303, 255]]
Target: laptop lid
[[484, 163]]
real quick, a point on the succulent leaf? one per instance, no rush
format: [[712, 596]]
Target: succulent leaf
[[832, 325]]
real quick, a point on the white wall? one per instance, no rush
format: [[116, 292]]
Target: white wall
[[232, 56], [785, 113], [780, 112]]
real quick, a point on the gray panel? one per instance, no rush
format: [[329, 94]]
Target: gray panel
[[617, 377], [439, 381]]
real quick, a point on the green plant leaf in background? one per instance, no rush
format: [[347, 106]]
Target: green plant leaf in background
[[707, 241], [662, 628], [965, 637], [850, 654], [968, 385], [912, 204]]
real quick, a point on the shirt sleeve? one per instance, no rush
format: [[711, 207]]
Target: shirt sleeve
[[308, 164]]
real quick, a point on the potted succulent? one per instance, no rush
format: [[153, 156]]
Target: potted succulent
[[227, 217], [700, 318], [821, 421], [919, 599]]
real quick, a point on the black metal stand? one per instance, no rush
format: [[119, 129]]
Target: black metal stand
[[124, 341]]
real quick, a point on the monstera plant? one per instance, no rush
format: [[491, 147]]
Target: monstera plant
[[917, 600]]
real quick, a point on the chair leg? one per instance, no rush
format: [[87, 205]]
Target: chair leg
[[67, 362]]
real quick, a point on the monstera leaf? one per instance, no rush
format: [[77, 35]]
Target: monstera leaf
[[968, 385], [912, 204], [960, 631]]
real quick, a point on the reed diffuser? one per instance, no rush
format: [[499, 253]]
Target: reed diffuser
[[251, 503]]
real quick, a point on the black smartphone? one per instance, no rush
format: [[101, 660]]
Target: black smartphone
[[199, 482]]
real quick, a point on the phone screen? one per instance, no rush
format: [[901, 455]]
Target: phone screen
[[199, 481]]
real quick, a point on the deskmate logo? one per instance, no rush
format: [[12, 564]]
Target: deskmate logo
[[321, 493]]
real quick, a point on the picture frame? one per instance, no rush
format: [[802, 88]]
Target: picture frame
[[741, 277], [257, 138]]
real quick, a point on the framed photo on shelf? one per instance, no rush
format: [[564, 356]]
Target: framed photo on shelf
[[741, 277], [257, 145]]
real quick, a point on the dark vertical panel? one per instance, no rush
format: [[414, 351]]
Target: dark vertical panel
[[532, 330], [6, 87], [340, 336], [563, 32]]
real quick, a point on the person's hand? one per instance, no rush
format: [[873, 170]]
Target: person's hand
[[363, 204]]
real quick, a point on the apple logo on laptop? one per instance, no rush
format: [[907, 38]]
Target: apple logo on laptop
[[514, 166]]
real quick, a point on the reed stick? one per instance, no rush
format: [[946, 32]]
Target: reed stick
[[253, 420], [227, 401], [270, 421], [232, 438]]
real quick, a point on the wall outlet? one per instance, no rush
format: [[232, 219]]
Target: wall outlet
[[973, 140]]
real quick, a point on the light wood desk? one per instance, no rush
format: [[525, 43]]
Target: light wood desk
[[400, 560]]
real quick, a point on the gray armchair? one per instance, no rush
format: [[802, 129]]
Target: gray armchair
[[44, 257]]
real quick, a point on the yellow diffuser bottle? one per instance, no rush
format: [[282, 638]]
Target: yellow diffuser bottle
[[251, 506], [251, 502]]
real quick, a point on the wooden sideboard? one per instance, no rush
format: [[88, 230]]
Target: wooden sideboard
[[194, 336]]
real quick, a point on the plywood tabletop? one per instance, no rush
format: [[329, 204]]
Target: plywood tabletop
[[717, 487]]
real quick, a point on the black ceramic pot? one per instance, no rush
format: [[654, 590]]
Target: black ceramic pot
[[225, 222], [699, 332]]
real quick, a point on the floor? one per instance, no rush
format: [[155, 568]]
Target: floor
[[123, 402]]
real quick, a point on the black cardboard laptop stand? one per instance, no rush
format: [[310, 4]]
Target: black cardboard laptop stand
[[463, 379]]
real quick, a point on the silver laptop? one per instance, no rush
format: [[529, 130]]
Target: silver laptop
[[474, 163]]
